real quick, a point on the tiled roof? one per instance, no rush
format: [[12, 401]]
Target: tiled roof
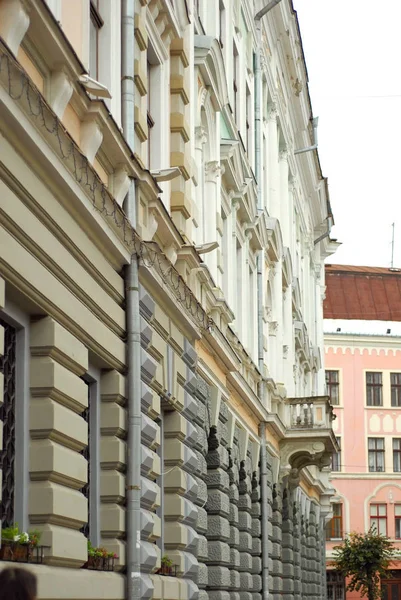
[[369, 293]]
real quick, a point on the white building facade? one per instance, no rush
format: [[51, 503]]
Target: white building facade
[[174, 140]]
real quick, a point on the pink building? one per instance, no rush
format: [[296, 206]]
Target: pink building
[[362, 326]]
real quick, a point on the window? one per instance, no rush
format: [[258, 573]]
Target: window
[[334, 529], [332, 383], [235, 84], [378, 518], [7, 416], [374, 389], [96, 23], [397, 455], [335, 586], [397, 516], [336, 458], [395, 379], [376, 454], [91, 489]]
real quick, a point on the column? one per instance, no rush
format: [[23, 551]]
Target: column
[[297, 550], [256, 512], [210, 203], [276, 538], [274, 174], [245, 529], [59, 435], [287, 546], [284, 203], [233, 473]]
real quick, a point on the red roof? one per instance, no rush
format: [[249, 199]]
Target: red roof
[[366, 293]]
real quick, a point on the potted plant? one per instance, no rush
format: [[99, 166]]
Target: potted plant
[[18, 545], [166, 566], [99, 559]]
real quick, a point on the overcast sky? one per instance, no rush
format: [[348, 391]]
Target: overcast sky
[[353, 56]]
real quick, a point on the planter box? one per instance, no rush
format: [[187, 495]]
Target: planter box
[[16, 552], [99, 563]]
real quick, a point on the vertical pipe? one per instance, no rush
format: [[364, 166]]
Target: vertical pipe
[[133, 479]]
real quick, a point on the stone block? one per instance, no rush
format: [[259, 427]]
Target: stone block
[[177, 508], [49, 338], [256, 583], [146, 586], [218, 528], [288, 569], [49, 379], [147, 523], [244, 503], [202, 548], [146, 397], [256, 528], [256, 546], [235, 580], [201, 521], [256, 564], [218, 595], [224, 413], [150, 432], [179, 482], [148, 556], [202, 579], [287, 555], [234, 558], [234, 537], [113, 419], [113, 453], [148, 367], [201, 439], [187, 563], [112, 387], [219, 577], [244, 521], [112, 520], [67, 547], [190, 410], [218, 553], [49, 460], [245, 562], [256, 510], [222, 433], [217, 458], [49, 419], [233, 494], [218, 503], [245, 541], [233, 517], [112, 486], [217, 479], [150, 463], [202, 492], [149, 493], [51, 501], [246, 583], [177, 453]]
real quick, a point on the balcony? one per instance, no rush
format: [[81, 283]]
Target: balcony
[[309, 438]]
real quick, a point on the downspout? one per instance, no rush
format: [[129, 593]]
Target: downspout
[[315, 123], [133, 478], [259, 265]]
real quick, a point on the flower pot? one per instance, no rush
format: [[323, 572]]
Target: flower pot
[[15, 552]]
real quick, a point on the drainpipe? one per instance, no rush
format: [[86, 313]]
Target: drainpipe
[[259, 265], [315, 123], [133, 479]]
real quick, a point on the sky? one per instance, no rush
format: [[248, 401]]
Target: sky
[[353, 57]]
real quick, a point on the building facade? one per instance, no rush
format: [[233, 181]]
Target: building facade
[[363, 374], [164, 222]]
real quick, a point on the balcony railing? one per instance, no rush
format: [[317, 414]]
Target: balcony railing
[[314, 412]]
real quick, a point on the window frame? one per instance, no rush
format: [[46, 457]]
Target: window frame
[[374, 387], [333, 384], [378, 517], [18, 319], [397, 452], [96, 22], [338, 457], [396, 388], [397, 518], [332, 527], [376, 452]]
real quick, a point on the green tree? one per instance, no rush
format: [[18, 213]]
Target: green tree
[[364, 559]]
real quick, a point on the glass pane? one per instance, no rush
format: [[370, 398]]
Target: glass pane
[[396, 462], [380, 461], [394, 591], [382, 527], [380, 443], [373, 524], [398, 528], [397, 509], [337, 510], [373, 509], [382, 510], [396, 443], [371, 443]]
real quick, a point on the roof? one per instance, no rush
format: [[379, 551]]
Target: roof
[[364, 293]]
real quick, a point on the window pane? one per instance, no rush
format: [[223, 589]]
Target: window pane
[[396, 444], [382, 509], [382, 527], [337, 510], [398, 528], [397, 509], [380, 443], [373, 509], [371, 443]]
